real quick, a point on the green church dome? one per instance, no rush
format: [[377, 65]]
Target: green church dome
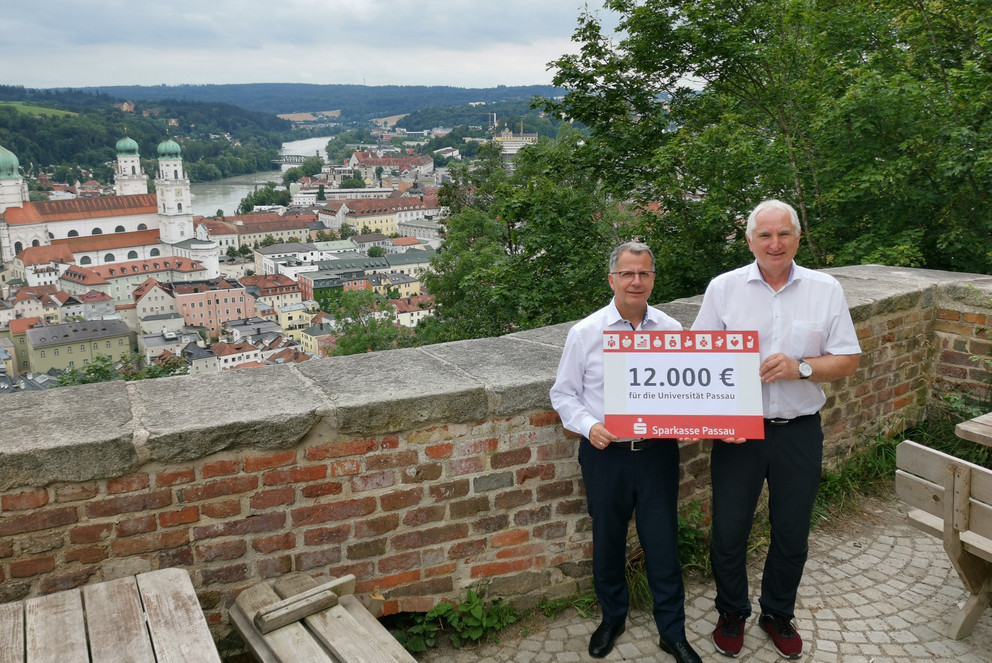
[[127, 146], [9, 165], [169, 149]]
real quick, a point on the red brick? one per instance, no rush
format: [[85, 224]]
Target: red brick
[[367, 549], [450, 490], [269, 544], [532, 516], [469, 507], [220, 468], [391, 461], [360, 570], [59, 583], [29, 499], [510, 538], [35, 521], [128, 484], [403, 562], [25, 568], [556, 530], [214, 489], [389, 442], [436, 451], [510, 458], [490, 524], [532, 550], [546, 418], [181, 556], [116, 506], [513, 498], [375, 481], [395, 579], [442, 570], [321, 536], [429, 537], [275, 567], [224, 550], [316, 558], [343, 468], [277, 459], [87, 555], [501, 568], [139, 525], [322, 490], [427, 514], [184, 516], [357, 447], [322, 513], [89, 533], [570, 507], [221, 508], [267, 499], [555, 450], [265, 522], [304, 474], [75, 492], [420, 473], [161, 540], [544, 472], [175, 477], [224, 575], [555, 490], [947, 314], [477, 447], [376, 526], [471, 465], [401, 499]]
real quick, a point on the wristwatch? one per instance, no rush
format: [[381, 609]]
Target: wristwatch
[[805, 370]]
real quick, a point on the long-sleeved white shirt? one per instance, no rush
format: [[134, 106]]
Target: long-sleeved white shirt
[[578, 394]]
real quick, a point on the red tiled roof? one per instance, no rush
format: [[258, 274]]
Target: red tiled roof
[[43, 255], [109, 241], [149, 266], [82, 208], [21, 325]]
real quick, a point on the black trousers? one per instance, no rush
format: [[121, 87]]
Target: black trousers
[[644, 484], [790, 460]]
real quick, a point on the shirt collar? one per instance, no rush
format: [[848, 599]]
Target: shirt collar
[[652, 314], [754, 273]]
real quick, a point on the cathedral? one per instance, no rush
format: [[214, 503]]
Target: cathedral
[[132, 225]]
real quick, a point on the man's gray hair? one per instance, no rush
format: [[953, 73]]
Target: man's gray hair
[[772, 203], [636, 248]]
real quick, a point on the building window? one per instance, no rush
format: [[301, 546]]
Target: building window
[[108, 344], [42, 353], [68, 350], [82, 348], [96, 231], [119, 229], [56, 352], [109, 257], [85, 260], [155, 253], [132, 255]]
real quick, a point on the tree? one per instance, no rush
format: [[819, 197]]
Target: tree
[[367, 323], [320, 193], [376, 252], [347, 231], [232, 252], [353, 183], [865, 116], [245, 251]]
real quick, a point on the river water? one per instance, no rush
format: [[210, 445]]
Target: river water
[[226, 194]]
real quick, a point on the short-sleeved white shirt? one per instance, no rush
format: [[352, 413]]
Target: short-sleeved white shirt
[[808, 317], [578, 393]]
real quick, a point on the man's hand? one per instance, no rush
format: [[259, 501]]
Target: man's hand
[[600, 437], [779, 367]]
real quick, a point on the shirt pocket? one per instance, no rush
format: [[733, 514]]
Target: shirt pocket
[[805, 339]]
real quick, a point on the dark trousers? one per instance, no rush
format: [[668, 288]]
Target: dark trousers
[[789, 459], [644, 484]]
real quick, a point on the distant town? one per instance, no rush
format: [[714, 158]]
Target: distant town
[[113, 274]]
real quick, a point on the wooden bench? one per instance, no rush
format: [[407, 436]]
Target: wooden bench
[[295, 619], [952, 499], [153, 617]]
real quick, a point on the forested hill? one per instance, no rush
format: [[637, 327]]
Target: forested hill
[[356, 102]]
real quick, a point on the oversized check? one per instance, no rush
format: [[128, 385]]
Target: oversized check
[[682, 384]]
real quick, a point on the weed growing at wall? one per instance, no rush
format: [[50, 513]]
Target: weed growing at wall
[[467, 623]]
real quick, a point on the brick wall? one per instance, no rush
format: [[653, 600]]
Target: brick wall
[[423, 472]]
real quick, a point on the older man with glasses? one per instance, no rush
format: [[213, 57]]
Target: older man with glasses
[[624, 478]]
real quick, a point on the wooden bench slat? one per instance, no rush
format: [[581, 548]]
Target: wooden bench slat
[[981, 519], [382, 639], [11, 632], [175, 620], [291, 643], [926, 522], [343, 635], [115, 622], [60, 613], [977, 430], [920, 493]]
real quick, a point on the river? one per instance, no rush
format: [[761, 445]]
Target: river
[[226, 194]]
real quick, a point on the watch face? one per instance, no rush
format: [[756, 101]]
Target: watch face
[[805, 370]]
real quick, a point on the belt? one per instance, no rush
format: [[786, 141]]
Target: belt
[[777, 421], [636, 444]]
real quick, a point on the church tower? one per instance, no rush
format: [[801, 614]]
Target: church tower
[[129, 179], [13, 193], [175, 211]]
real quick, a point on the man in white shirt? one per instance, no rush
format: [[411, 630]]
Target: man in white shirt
[[624, 477], [806, 338]]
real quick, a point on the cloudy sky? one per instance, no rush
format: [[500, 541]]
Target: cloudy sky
[[464, 43]]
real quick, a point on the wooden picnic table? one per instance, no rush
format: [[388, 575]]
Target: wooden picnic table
[[152, 617], [977, 430]]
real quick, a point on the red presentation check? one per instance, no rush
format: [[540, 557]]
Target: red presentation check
[[682, 384]]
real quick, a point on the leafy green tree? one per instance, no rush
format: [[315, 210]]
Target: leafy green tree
[[376, 252], [320, 193], [232, 252], [353, 183], [245, 251], [866, 116], [267, 195], [101, 369], [347, 231], [367, 323], [268, 240]]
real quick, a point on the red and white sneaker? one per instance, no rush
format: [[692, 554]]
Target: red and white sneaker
[[784, 636], [729, 634]]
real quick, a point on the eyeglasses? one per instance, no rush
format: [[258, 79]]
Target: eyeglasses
[[629, 276]]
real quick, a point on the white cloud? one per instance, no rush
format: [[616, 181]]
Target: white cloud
[[464, 43]]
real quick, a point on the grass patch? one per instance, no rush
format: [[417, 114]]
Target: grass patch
[[30, 109]]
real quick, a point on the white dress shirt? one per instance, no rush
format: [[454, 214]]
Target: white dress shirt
[[808, 317], [577, 394]]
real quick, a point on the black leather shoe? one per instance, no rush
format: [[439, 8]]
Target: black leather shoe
[[681, 650], [601, 642]]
